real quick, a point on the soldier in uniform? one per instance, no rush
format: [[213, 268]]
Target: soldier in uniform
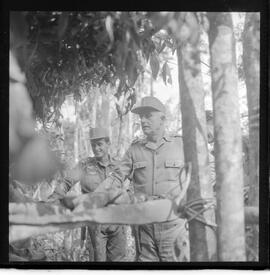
[[153, 164], [108, 241]]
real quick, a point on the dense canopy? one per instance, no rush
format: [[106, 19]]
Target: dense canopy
[[70, 52]]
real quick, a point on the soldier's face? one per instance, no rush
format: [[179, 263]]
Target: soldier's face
[[151, 122], [100, 148]]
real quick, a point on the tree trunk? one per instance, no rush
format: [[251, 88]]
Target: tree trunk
[[105, 108], [120, 136], [98, 109], [202, 238], [76, 141], [228, 142], [92, 106], [251, 64], [252, 215]]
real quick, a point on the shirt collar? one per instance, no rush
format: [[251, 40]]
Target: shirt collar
[[102, 164], [167, 138], [163, 140]]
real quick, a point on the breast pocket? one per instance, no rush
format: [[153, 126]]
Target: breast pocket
[[172, 168], [139, 170], [139, 164]]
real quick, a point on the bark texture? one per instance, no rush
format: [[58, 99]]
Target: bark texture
[[202, 238], [228, 142], [251, 65]]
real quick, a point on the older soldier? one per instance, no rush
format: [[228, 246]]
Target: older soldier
[[108, 240], [153, 164]]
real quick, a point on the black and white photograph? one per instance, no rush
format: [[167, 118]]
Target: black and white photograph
[[134, 137]]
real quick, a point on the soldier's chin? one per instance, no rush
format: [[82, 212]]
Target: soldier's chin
[[99, 155]]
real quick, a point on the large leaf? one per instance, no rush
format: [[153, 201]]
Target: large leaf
[[35, 162], [131, 68], [109, 27], [166, 73], [154, 63]]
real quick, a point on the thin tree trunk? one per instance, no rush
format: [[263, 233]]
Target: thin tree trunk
[[228, 141], [105, 108], [151, 86], [98, 109], [251, 59], [120, 136], [202, 238], [76, 141], [92, 106]]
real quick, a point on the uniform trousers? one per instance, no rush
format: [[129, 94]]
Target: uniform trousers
[[162, 242], [109, 242]]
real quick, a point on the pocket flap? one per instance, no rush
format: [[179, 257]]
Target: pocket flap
[[173, 163], [139, 164]]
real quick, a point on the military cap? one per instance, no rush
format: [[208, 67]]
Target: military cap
[[96, 133], [149, 103]]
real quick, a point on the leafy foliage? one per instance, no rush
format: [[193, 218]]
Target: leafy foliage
[[68, 50]]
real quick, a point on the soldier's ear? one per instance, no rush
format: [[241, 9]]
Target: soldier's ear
[[162, 116]]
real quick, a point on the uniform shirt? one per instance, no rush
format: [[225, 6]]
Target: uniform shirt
[[91, 172], [154, 169]]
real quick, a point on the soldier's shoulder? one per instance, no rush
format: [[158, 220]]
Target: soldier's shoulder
[[138, 140], [178, 136], [115, 159], [174, 136]]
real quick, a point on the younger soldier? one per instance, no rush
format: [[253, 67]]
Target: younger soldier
[[108, 240]]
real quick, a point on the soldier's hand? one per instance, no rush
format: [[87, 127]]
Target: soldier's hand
[[90, 201], [117, 196], [74, 174], [105, 185], [68, 202]]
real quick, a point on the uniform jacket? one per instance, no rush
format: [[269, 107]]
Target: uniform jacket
[[153, 169], [90, 172]]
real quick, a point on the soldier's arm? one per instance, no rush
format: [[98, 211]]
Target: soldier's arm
[[122, 170], [112, 185], [71, 177]]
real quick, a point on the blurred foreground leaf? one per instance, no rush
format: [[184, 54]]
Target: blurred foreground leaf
[[27, 223], [27, 219], [35, 162]]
